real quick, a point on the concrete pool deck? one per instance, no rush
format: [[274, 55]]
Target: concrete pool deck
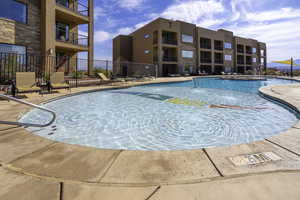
[[32, 167]]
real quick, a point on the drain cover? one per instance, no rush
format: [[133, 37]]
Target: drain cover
[[254, 159]]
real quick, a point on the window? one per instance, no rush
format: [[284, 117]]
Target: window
[[8, 48], [253, 50], [62, 31], [228, 57], [262, 52], [262, 61], [146, 36], [227, 45], [254, 60], [187, 38], [147, 51], [14, 10], [187, 54]]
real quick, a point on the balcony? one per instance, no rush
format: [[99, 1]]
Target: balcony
[[169, 38], [71, 40], [205, 57], [72, 11], [219, 58], [169, 59], [240, 60], [248, 50], [169, 41], [218, 45], [240, 48], [205, 60], [205, 43], [248, 60]]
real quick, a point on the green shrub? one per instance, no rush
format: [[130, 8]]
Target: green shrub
[[78, 74], [296, 73]]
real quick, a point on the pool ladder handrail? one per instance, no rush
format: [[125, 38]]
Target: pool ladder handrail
[[31, 105]]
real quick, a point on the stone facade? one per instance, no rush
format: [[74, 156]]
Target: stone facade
[[7, 31], [28, 34]]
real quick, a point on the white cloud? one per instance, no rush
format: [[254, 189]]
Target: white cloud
[[130, 4], [283, 13], [102, 36], [98, 12], [83, 33], [124, 31], [196, 12], [281, 37]]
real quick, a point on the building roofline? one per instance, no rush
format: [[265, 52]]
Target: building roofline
[[180, 21]]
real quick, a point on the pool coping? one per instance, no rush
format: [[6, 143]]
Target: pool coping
[[122, 167]]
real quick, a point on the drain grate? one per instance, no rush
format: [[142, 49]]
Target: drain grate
[[254, 159]]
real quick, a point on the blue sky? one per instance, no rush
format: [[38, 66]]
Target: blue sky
[[276, 22]]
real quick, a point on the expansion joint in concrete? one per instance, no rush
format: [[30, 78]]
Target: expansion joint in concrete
[[153, 193], [213, 163], [61, 190], [274, 143], [110, 165]]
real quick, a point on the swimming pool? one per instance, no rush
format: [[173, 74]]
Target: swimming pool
[[169, 116]]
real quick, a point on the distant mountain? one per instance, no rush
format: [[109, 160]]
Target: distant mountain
[[284, 67]]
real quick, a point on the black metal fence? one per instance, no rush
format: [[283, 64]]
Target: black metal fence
[[130, 69], [75, 69]]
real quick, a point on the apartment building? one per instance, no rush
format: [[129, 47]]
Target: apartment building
[[47, 28], [177, 47]]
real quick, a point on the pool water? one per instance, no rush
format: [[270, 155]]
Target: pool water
[[172, 116]]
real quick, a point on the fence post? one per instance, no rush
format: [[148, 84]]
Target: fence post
[[76, 73], [106, 67]]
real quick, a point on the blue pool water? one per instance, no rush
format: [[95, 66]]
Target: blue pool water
[[172, 116]]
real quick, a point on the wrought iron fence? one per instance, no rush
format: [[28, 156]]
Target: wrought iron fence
[[131, 69], [75, 69]]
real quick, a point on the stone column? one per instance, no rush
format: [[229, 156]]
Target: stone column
[[48, 34]]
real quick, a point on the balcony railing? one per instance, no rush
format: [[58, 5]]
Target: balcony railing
[[205, 46], [74, 38], [219, 61], [240, 50], [170, 59], [169, 41], [240, 62], [218, 47], [76, 6], [205, 60]]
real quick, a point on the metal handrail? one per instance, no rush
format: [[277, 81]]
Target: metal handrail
[[31, 105]]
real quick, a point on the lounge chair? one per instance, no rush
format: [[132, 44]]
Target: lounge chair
[[57, 81], [26, 82], [104, 79]]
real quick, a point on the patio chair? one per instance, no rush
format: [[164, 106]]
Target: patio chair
[[104, 79], [26, 82], [57, 81]]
